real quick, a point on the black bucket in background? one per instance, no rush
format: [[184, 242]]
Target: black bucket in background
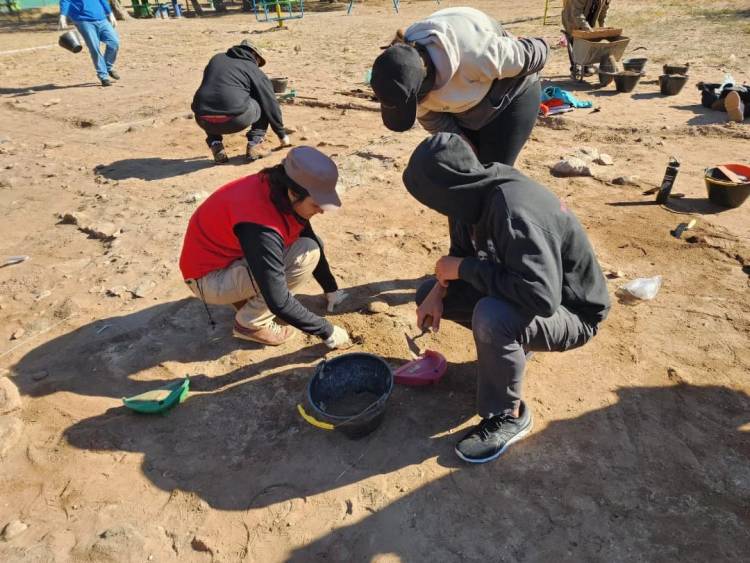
[[672, 84], [349, 376], [279, 85], [70, 41]]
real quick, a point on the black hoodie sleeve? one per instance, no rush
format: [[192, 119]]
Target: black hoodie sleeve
[[461, 245], [269, 105], [264, 251], [322, 272], [530, 272]]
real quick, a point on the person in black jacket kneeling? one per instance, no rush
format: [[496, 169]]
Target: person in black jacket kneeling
[[234, 95], [520, 273]]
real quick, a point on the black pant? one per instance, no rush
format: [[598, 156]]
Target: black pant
[[502, 139], [503, 334], [237, 123]]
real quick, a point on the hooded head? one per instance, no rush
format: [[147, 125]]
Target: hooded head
[[445, 175], [397, 77], [246, 50]]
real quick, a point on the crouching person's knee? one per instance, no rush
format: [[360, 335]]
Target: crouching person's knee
[[304, 255], [496, 320]]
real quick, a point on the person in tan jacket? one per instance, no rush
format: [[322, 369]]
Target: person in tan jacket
[[584, 15]]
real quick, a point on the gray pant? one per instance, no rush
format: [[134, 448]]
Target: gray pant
[[503, 335], [250, 118]]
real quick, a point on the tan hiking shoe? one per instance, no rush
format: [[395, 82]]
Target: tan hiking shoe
[[273, 335], [734, 106], [220, 155]]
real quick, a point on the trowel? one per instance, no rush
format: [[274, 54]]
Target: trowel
[[411, 341]]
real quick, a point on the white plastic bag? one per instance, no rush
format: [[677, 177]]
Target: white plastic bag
[[644, 289]]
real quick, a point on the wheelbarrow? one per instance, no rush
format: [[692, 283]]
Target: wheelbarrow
[[588, 52]]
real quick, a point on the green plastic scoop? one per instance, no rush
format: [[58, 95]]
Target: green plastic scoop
[[159, 400]]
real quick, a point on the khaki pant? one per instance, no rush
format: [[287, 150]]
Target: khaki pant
[[234, 283]]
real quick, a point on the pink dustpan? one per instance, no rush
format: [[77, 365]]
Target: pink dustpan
[[427, 369]]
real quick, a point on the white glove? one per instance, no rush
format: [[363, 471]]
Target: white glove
[[62, 23], [112, 19], [335, 298], [339, 339], [285, 141]]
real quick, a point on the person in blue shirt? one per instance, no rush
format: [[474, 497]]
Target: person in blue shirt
[[96, 23]]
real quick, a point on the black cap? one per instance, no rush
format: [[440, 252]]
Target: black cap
[[397, 75]]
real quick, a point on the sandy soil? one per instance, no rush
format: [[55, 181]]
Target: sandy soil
[[641, 449]]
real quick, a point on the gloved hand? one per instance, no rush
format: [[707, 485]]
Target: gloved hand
[[285, 141], [112, 20], [335, 298], [62, 23], [339, 340]]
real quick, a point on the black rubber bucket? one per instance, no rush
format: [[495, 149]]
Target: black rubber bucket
[[348, 393], [672, 84], [626, 80], [69, 41], [635, 64], [279, 85], [676, 68]]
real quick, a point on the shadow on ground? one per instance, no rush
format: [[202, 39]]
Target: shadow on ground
[[661, 474], [154, 168], [122, 356], [19, 91]]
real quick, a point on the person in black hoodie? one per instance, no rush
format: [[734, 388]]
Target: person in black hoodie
[[234, 95], [520, 273]]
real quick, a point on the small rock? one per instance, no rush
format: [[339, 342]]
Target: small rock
[[571, 166], [199, 544], [18, 334], [13, 529], [193, 198], [614, 274], [8, 182], [52, 102], [143, 289], [116, 543], [117, 291], [627, 181], [10, 400], [588, 153], [604, 159], [52, 145], [10, 433], [349, 506], [378, 307]]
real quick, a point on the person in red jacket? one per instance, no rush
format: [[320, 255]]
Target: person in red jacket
[[250, 244]]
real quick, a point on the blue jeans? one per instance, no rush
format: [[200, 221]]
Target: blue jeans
[[503, 335], [95, 33]]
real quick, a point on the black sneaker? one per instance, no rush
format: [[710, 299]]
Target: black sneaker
[[106, 82], [491, 437], [114, 74]]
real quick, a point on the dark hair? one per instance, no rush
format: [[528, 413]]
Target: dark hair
[[280, 182]]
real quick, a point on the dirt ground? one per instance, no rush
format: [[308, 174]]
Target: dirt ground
[[641, 447]]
